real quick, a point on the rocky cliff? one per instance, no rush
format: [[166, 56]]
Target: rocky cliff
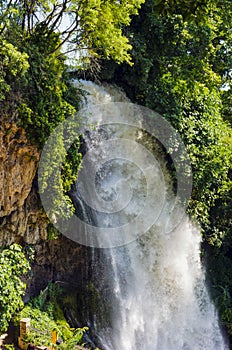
[[22, 219]]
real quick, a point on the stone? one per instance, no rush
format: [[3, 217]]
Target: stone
[[18, 165], [21, 217]]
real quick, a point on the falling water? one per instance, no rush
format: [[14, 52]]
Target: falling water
[[153, 288]]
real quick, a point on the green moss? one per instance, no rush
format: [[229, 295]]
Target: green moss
[[90, 298]]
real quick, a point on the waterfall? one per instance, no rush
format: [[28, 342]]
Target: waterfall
[[152, 286]]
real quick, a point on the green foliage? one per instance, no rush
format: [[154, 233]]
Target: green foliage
[[13, 265], [43, 106], [75, 338], [95, 26], [71, 166], [13, 64], [102, 23], [226, 108], [58, 168], [29, 251], [40, 321], [9, 347], [52, 232], [194, 10], [46, 315]]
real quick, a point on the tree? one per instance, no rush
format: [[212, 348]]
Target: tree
[[13, 265], [94, 26], [191, 10], [177, 73]]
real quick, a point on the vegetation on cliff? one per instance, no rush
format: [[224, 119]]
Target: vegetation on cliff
[[35, 88]]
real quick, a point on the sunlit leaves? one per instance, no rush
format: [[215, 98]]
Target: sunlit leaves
[[12, 63], [93, 25], [102, 23], [13, 265]]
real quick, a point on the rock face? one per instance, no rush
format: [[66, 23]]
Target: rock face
[[27, 224], [21, 219], [18, 163], [60, 260]]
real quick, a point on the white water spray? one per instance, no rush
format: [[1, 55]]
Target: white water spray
[[158, 295]]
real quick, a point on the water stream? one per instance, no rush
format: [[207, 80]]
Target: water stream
[[153, 288]]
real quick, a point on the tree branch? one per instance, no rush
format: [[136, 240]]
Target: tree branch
[[69, 33], [5, 14], [59, 16]]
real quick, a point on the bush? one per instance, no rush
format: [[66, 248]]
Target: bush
[[46, 315], [13, 265]]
